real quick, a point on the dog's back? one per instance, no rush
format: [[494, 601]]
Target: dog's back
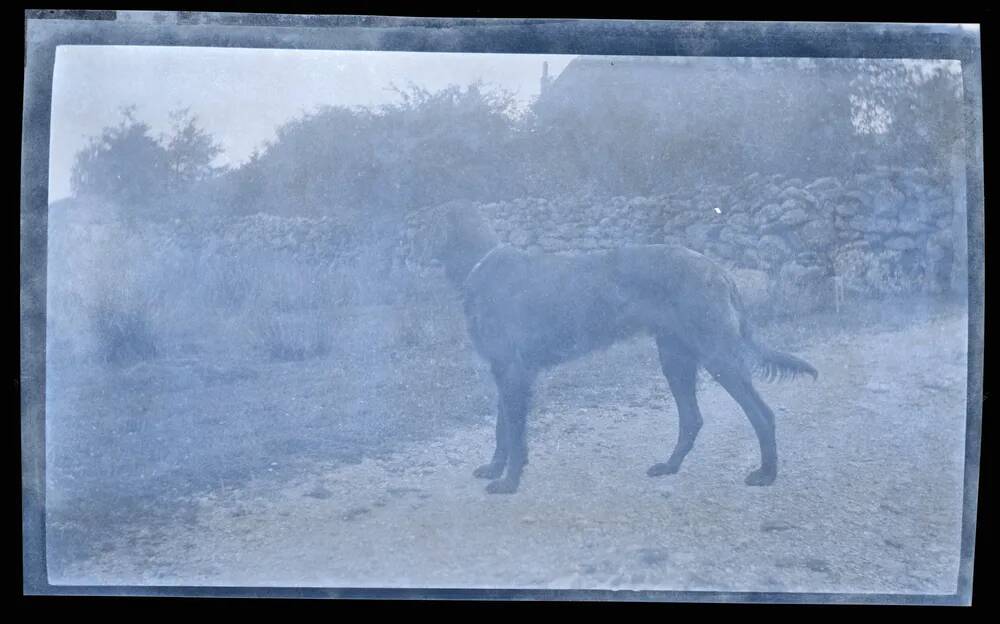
[[553, 308], [550, 308], [547, 308]]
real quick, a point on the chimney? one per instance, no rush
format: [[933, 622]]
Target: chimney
[[545, 81]]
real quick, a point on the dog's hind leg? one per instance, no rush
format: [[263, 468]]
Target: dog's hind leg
[[735, 378], [494, 469], [680, 367], [514, 385]]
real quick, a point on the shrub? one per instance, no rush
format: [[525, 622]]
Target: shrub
[[229, 283], [873, 273], [123, 320], [293, 310], [292, 337]]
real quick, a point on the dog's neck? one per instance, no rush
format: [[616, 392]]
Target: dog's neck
[[476, 266], [460, 259]]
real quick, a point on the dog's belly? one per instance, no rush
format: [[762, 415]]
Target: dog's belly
[[556, 349], [546, 335]]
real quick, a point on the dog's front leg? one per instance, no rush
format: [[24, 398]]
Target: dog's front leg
[[515, 390], [494, 469]]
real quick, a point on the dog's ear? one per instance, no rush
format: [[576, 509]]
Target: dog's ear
[[453, 215]]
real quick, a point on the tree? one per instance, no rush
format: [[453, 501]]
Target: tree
[[190, 151], [909, 110], [425, 148], [124, 164]]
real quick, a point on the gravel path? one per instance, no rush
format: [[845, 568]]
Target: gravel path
[[868, 496]]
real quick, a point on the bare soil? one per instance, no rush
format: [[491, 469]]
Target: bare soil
[[328, 473]]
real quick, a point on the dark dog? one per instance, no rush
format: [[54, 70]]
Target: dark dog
[[527, 312]]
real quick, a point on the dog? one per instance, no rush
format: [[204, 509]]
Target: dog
[[527, 312]]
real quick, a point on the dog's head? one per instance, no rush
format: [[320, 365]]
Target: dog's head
[[441, 232]]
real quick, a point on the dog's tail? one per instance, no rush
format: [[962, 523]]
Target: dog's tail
[[770, 364], [777, 366]]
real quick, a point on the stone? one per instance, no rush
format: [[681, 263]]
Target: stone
[[817, 234], [775, 227], [682, 219], [566, 230], [859, 196], [808, 258], [848, 209], [913, 226], [859, 245], [823, 184], [790, 204], [864, 179], [798, 274], [794, 217], [740, 219], [937, 252], [729, 251], [795, 193], [701, 233], [768, 214], [751, 258], [941, 207], [901, 243], [871, 224], [888, 201], [520, 237], [940, 238], [772, 249], [729, 234]]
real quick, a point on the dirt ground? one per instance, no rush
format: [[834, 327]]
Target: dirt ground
[[868, 497]]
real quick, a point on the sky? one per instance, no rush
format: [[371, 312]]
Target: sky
[[241, 96]]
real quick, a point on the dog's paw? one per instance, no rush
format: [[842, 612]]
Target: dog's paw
[[657, 470], [488, 471], [502, 486], [760, 477]]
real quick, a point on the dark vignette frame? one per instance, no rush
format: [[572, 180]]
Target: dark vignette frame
[[45, 30]]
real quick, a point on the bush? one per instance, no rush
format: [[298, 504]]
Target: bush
[[292, 309], [873, 273], [123, 324], [230, 284], [292, 337]]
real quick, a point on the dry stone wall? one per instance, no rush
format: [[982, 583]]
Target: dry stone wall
[[883, 233], [794, 245]]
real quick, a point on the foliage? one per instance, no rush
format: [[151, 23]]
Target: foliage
[[124, 163], [642, 127], [873, 273], [426, 148], [190, 151], [143, 176], [123, 319]]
